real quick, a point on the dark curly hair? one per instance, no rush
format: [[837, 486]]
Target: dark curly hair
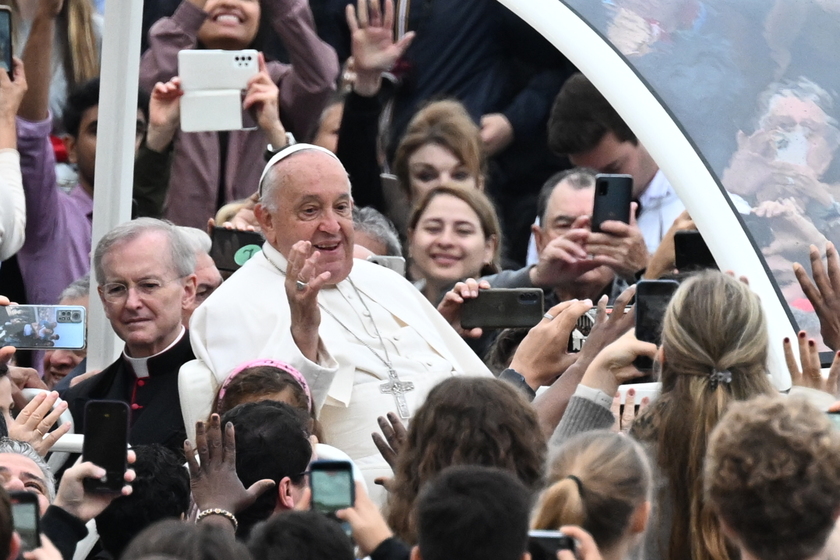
[[465, 421]]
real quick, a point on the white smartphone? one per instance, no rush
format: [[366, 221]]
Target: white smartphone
[[214, 82], [216, 69]]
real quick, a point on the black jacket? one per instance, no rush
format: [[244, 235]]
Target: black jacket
[[154, 401]]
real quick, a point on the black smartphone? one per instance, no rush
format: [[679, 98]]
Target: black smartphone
[[105, 444], [332, 485], [652, 298], [691, 252], [43, 327], [503, 308], [6, 40], [232, 247], [26, 518], [613, 194], [543, 545]]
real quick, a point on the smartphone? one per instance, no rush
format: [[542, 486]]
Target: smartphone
[[232, 248], [691, 252], [43, 327], [213, 81], [503, 308], [652, 298], [215, 69], [613, 194], [397, 264], [105, 444], [543, 545], [6, 40], [332, 485], [835, 418], [26, 518]]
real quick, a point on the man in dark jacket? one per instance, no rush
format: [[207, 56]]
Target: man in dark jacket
[[145, 272]]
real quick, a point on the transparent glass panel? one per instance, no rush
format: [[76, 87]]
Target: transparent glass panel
[[753, 84]]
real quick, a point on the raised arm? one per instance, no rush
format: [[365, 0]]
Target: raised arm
[[305, 88], [168, 36], [37, 58], [374, 52], [12, 201]]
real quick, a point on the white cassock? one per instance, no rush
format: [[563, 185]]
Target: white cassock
[[248, 318]]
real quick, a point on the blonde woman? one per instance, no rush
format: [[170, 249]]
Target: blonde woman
[[76, 48], [601, 482], [713, 353]]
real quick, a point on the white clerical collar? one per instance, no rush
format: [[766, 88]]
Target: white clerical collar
[[659, 187], [141, 365]]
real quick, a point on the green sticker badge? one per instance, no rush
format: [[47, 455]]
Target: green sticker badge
[[244, 253]]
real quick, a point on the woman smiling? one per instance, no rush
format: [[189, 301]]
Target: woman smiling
[[453, 233]]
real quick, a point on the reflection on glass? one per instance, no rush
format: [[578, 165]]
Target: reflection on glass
[[754, 85]]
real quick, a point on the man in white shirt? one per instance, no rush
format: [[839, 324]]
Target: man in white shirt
[[585, 127], [365, 339]]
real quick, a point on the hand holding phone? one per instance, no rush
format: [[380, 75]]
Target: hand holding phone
[[73, 497], [544, 545], [26, 518], [613, 194], [652, 298], [332, 485], [40, 327], [105, 444], [6, 40], [502, 308]]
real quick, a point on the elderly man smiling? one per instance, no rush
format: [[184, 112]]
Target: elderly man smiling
[[367, 341]]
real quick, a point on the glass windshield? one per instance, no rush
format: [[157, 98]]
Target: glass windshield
[[753, 83]]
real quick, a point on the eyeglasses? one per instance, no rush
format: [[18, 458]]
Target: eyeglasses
[[116, 292]]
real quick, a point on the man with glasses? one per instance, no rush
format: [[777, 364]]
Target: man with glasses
[[145, 272]]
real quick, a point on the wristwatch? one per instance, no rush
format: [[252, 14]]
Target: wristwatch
[[518, 380], [270, 152]]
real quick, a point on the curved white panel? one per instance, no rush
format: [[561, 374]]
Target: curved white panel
[[666, 143]]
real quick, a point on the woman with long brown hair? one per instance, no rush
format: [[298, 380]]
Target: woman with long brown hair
[[714, 352], [464, 421]]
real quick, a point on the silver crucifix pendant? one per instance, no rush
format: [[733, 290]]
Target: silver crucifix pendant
[[398, 389]]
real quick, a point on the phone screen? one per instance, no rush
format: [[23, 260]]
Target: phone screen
[[232, 248], [332, 486], [691, 252], [6, 39], [835, 418], [652, 298], [25, 517], [43, 326], [105, 443]]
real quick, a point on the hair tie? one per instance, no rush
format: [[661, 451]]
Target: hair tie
[[719, 376], [282, 366], [577, 481]]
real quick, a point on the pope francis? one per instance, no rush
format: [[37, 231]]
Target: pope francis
[[366, 340]]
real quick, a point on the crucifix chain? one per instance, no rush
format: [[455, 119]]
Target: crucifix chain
[[393, 386]]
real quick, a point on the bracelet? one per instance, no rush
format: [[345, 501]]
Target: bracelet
[[218, 511]]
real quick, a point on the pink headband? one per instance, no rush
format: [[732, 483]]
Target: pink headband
[[283, 366]]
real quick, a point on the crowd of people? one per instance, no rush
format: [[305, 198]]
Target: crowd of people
[[340, 338]]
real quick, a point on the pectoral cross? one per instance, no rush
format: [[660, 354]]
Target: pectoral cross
[[397, 388]]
